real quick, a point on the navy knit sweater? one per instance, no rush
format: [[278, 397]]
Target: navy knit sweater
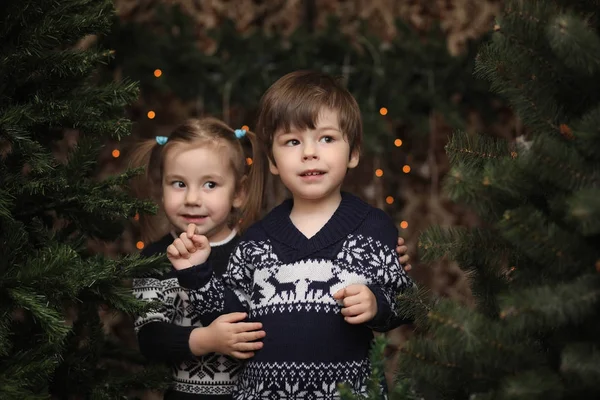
[[287, 282]]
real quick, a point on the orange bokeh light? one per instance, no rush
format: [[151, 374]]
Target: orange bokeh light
[[379, 172], [406, 169], [249, 161], [116, 153], [389, 199], [157, 73], [151, 114], [139, 245], [383, 111], [397, 142], [403, 224]]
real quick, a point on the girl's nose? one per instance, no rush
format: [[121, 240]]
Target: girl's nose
[[192, 198]]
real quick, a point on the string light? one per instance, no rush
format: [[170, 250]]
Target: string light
[[136, 217], [383, 111], [397, 142], [157, 73], [245, 127], [389, 199], [151, 114], [379, 172], [116, 153], [249, 161], [406, 169], [139, 245], [404, 224]]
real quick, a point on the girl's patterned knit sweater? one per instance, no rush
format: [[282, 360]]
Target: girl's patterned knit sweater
[[163, 335], [287, 282]]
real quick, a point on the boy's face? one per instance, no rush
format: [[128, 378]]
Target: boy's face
[[312, 164], [199, 187]]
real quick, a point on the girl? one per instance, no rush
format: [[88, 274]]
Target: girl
[[198, 175]]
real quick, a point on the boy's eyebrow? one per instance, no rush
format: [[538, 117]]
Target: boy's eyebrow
[[326, 128], [319, 129]]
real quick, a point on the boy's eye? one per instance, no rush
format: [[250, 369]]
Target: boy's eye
[[210, 185], [178, 184], [327, 139], [292, 142]]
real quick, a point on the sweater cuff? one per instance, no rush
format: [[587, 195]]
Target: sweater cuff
[[381, 320], [181, 344], [194, 277], [165, 342]]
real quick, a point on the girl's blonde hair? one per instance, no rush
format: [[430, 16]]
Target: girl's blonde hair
[[249, 176]]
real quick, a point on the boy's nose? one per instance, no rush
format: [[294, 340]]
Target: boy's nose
[[309, 152]]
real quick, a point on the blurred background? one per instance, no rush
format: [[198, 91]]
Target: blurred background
[[409, 64]]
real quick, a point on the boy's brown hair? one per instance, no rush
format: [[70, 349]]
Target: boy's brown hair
[[295, 100]]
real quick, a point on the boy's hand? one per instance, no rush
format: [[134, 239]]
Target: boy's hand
[[188, 249], [404, 258], [226, 335], [359, 302]]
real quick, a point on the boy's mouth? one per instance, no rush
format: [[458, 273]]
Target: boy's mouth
[[312, 172]]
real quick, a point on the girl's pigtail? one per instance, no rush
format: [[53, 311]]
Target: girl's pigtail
[[254, 184], [147, 154]]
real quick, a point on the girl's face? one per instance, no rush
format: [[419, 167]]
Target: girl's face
[[199, 187]]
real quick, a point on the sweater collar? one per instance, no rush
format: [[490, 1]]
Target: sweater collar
[[347, 217]]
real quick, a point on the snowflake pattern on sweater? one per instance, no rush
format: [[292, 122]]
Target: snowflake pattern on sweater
[[287, 282]]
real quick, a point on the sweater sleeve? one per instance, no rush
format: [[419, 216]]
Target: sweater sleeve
[[389, 279], [160, 339], [212, 295]]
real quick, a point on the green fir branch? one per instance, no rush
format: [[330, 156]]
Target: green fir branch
[[587, 133], [577, 45], [548, 307], [546, 243], [539, 383], [53, 323], [581, 363], [583, 210]]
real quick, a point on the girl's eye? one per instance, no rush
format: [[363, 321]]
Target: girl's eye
[[292, 142], [210, 185], [178, 184], [326, 139]]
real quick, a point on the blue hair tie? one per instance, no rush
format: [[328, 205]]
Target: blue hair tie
[[161, 140], [240, 133]]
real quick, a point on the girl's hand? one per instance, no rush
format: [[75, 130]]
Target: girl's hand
[[188, 249], [404, 258]]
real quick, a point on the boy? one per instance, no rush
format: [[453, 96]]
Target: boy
[[319, 271]]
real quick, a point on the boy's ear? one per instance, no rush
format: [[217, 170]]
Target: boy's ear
[[354, 157], [273, 168]]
